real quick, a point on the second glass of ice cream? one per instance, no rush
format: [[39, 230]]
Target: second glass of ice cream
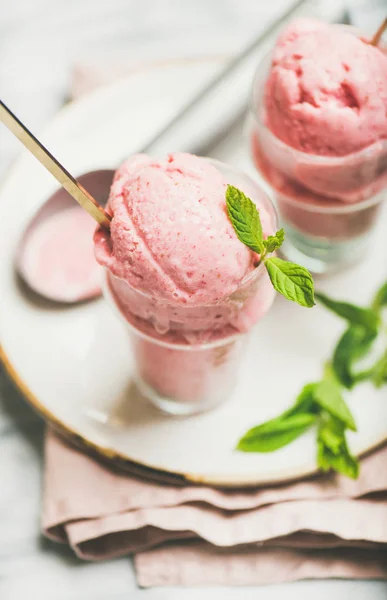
[[187, 289], [318, 136]]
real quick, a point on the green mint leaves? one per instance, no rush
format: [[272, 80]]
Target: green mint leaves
[[364, 327], [355, 315], [289, 279], [352, 346], [276, 433], [379, 371], [322, 403], [380, 300], [327, 395], [332, 448], [285, 428], [273, 242], [245, 219], [292, 281]]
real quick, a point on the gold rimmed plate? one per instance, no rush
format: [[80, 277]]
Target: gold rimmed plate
[[74, 363]]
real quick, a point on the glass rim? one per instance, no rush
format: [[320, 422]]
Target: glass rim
[[340, 208], [108, 295]]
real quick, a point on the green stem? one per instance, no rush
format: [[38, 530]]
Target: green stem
[[363, 375]]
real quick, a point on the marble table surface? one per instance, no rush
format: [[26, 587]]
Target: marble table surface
[[39, 40]]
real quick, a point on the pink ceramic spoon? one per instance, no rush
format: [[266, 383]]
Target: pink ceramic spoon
[[55, 256]]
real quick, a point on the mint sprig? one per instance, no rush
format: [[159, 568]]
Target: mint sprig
[[364, 326], [273, 242], [332, 448], [322, 403], [245, 219], [355, 315], [289, 279], [353, 345], [380, 300], [276, 433], [327, 395], [379, 371]]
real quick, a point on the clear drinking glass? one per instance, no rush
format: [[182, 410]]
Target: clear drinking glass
[[186, 357], [327, 205]]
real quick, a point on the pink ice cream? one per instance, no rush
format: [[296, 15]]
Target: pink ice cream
[[172, 249], [327, 90], [319, 132], [178, 272], [170, 233]]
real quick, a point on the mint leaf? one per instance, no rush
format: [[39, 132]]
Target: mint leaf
[[276, 433], [353, 345], [273, 242], [327, 395], [354, 314], [291, 280], [329, 374], [332, 449], [245, 219], [380, 300], [379, 371], [304, 401]]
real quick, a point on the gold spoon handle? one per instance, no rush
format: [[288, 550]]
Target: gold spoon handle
[[378, 34], [45, 157]]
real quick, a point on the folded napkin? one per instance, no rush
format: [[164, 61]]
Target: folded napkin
[[327, 526]]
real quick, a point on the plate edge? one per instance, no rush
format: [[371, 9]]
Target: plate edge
[[124, 463]]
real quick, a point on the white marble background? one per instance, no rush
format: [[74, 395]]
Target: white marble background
[[40, 40]]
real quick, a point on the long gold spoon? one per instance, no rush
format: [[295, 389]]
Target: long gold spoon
[[71, 185], [378, 34]]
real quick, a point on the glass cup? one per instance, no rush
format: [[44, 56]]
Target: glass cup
[[327, 205], [186, 357]]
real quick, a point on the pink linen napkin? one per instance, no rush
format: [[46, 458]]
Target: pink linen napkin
[[327, 526]]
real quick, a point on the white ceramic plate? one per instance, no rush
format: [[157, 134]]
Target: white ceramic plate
[[74, 363]]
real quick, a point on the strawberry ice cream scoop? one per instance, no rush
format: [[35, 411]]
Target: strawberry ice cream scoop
[[326, 93], [170, 234], [184, 283]]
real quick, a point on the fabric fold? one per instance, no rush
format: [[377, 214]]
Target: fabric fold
[[329, 526]]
